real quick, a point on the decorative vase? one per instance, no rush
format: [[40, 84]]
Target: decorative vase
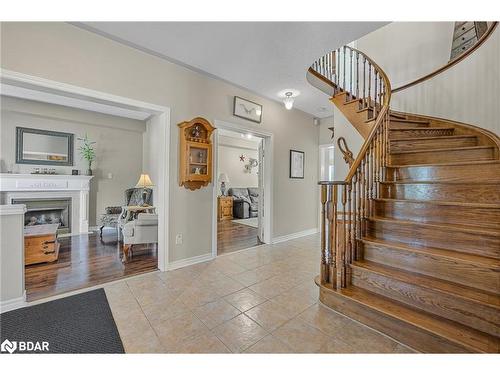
[[89, 172]]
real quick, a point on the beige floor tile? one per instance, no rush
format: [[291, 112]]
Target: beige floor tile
[[163, 310], [207, 343], [226, 287], [271, 288], [296, 300], [366, 340], [251, 277], [270, 315], [154, 294], [245, 299], [269, 345], [401, 349], [173, 332], [215, 313], [227, 267], [198, 296], [147, 280], [302, 337], [144, 341], [325, 320], [239, 333]]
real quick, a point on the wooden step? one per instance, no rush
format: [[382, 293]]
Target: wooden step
[[466, 239], [412, 132], [470, 270], [442, 155], [426, 143], [475, 191], [395, 122], [488, 170], [471, 307], [422, 331], [457, 213]]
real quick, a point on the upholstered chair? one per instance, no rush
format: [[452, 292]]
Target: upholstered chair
[[141, 230], [133, 197]]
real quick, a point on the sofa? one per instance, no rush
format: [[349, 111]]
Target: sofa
[[245, 202]]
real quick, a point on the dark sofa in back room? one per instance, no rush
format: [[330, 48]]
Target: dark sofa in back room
[[245, 202]]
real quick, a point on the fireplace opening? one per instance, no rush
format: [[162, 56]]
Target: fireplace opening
[[47, 211]]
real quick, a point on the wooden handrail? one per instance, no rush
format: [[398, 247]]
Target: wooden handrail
[[452, 62], [368, 85], [346, 152]]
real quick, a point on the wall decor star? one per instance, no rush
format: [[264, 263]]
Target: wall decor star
[[242, 157]]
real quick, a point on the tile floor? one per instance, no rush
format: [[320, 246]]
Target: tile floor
[[261, 300]]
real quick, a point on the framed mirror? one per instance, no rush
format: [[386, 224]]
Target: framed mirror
[[36, 146]]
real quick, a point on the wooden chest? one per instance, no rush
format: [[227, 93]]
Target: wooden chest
[[225, 208], [40, 244]]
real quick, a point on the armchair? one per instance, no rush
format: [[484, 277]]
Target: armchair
[[142, 230], [133, 197], [245, 202]]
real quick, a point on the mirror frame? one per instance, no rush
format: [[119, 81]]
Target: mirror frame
[[19, 147]]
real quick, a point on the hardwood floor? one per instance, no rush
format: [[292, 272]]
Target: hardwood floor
[[233, 236], [85, 261]]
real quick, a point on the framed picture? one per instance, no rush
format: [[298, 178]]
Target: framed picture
[[297, 159], [246, 109]]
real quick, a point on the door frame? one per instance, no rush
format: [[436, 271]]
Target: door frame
[[267, 215], [160, 116]]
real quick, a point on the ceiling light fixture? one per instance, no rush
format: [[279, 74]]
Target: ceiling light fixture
[[288, 97]]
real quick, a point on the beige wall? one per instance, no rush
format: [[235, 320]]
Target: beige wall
[[11, 253], [343, 128], [229, 152], [65, 53], [118, 147], [467, 92]]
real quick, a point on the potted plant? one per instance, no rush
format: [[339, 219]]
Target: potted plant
[[87, 152]]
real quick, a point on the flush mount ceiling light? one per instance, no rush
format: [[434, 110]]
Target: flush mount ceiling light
[[288, 97]]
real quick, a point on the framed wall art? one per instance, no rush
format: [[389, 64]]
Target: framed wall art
[[246, 109]]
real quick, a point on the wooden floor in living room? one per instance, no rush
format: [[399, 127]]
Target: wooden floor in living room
[[232, 236], [84, 261]]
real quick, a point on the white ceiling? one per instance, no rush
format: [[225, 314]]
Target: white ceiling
[[263, 57]]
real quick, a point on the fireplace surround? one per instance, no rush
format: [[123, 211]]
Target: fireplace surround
[[50, 198]]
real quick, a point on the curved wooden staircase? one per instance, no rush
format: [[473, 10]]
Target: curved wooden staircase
[[411, 238]]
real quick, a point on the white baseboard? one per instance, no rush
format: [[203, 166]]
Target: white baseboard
[[14, 303], [293, 236], [190, 261]]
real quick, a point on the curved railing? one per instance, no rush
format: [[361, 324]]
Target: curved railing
[[351, 73], [346, 152], [452, 62]]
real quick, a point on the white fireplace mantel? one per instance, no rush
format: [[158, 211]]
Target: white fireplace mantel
[[36, 186]]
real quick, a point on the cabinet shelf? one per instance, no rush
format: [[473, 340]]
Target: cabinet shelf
[[195, 144]]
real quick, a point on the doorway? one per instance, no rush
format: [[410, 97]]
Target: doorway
[[91, 248], [242, 188]]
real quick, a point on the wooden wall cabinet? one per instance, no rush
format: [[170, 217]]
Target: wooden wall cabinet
[[196, 148]]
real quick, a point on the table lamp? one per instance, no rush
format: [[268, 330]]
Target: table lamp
[[223, 179], [144, 182]]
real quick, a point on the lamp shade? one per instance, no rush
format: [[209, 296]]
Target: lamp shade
[[144, 181], [223, 178]]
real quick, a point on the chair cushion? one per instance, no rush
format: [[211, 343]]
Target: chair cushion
[[144, 219], [240, 193]]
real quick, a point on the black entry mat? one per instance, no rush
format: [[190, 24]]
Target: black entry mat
[[82, 323]]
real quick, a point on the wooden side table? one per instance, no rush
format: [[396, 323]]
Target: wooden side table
[[224, 208]]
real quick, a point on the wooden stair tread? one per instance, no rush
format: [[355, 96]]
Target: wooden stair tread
[[442, 149], [443, 203], [491, 161], [441, 182], [425, 129], [464, 336], [463, 228], [440, 137], [411, 121], [428, 282], [450, 254]]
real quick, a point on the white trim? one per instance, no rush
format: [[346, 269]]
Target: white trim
[[12, 209], [13, 304], [190, 261], [268, 138], [160, 115], [295, 235]]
